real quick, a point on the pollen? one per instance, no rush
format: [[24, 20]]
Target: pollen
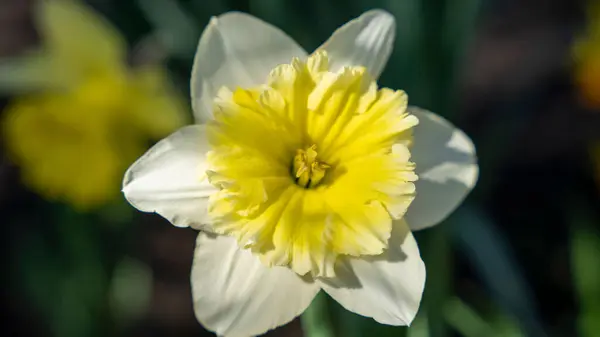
[[311, 165]]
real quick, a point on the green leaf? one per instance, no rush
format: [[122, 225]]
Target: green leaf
[[465, 320], [489, 253], [585, 249], [438, 259]]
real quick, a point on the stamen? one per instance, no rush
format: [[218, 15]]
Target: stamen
[[308, 172]]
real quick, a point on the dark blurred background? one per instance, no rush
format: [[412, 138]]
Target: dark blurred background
[[518, 258]]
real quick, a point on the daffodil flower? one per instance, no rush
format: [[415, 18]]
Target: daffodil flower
[[82, 115], [302, 176]]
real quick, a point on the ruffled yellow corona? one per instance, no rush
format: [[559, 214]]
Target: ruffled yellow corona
[[312, 165]]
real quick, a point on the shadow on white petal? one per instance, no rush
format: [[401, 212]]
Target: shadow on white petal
[[387, 287], [236, 295], [346, 276], [447, 169]]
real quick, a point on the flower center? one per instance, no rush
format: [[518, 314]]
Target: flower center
[[308, 171]]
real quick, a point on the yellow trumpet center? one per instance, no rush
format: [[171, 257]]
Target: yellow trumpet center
[[310, 166]]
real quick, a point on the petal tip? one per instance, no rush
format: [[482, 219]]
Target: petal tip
[[364, 41], [234, 16], [383, 15], [385, 21]]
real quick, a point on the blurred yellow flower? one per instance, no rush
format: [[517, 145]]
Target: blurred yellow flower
[[587, 59], [86, 116]]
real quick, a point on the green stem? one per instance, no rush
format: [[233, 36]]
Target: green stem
[[439, 266], [315, 320]]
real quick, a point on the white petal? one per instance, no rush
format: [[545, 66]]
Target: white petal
[[387, 287], [170, 179], [365, 41], [236, 50], [236, 295], [447, 168]]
